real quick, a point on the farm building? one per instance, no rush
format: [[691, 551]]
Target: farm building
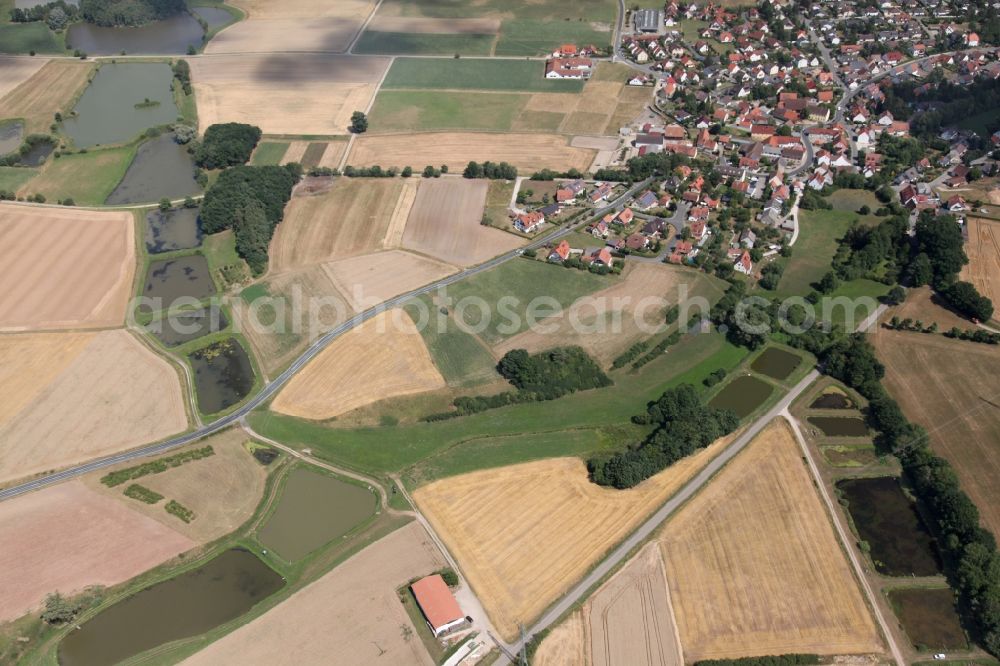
[[648, 20], [437, 604]]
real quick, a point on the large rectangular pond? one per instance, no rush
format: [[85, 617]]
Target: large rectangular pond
[[176, 229], [161, 168], [885, 517], [170, 36], [840, 426], [223, 375], [742, 395], [929, 618], [179, 328], [113, 108], [313, 510], [184, 277], [187, 605], [776, 363]]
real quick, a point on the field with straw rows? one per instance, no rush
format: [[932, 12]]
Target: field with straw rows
[[48, 90], [293, 25], [983, 248]]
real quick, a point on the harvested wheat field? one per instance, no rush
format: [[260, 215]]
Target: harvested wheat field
[[950, 387], [48, 90], [607, 322], [296, 149], [755, 568], [15, 70], [434, 26], [348, 219], [333, 154], [305, 301], [445, 223], [293, 25], [385, 357], [102, 394], [222, 489], [565, 645], [983, 248], [487, 517], [527, 152], [285, 94], [64, 268], [371, 279], [67, 537], [924, 305], [353, 610], [630, 617]]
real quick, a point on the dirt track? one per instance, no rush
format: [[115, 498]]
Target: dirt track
[[64, 268], [102, 395], [284, 94], [445, 223], [754, 566], [351, 613], [527, 152], [487, 517], [383, 358], [109, 543]]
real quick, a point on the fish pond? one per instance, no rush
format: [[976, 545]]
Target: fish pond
[[11, 135], [167, 37], [123, 100], [929, 618], [175, 229], [742, 395], [181, 327], [840, 426], [832, 400], [313, 510], [183, 277], [161, 168], [187, 605], [776, 363], [888, 520], [223, 375]]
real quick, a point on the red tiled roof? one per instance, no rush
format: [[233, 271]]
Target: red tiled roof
[[436, 601]]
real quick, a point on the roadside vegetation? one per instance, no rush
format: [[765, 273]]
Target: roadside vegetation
[[155, 467]]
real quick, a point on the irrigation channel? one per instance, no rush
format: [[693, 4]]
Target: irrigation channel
[[269, 390]]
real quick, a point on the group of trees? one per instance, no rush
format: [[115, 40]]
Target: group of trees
[[182, 72], [128, 12], [769, 660], [683, 425], [250, 200], [226, 144], [545, 376], [491, 170], [57, 15], [970, 551]]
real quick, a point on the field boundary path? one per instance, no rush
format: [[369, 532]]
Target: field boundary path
[[845, 540], [270, 389]]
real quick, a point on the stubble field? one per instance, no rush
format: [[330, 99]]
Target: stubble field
[[754, 566], [285, 94], [222, 489], [383, 358], [109, 543], [950, 388], [293, 25], [370, 279], [527, 152], [64, 268], [352, 217], [48, 90], [487, 517], [983, 248], [16, 70], [445, 223], [353, 610], [91, 395]]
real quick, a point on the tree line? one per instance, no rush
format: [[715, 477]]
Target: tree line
[[129, 12], [491, 170]]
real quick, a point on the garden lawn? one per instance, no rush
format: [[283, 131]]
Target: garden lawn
[[408, 110], [474, 74], [396, 448], [401, 43], [88, 178]]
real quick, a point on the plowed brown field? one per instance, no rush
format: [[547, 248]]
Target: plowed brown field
[[352, 612], [755, 568], [64, 268], [349, 219], [90, 396], [285, 94], [528, 152], [445, 223], [983, 248], [383, 358], [68, 537], [524, 534], [293, 25]]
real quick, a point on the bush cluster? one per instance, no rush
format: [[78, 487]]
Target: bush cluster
[[683, 425], [155, 466], [128, 12], [182, 72], [491, 170], [175, 508], [769, 660], [630, 354], [974, 335], [657, 350], [143, 494], [226, 144]]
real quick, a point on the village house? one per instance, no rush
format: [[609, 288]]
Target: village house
[[529, 222], [560, 252]]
